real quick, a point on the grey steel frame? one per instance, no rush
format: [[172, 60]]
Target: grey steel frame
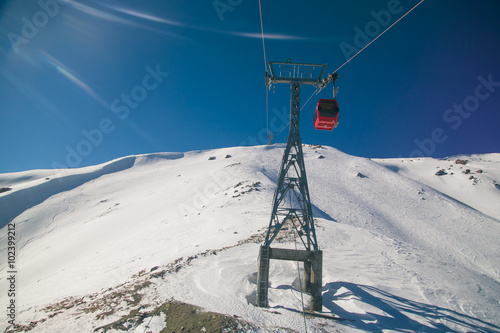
[[292, 201]]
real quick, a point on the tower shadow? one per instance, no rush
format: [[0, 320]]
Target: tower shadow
[[395, 313]]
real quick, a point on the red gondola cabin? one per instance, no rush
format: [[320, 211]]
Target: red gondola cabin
[[326, 116]]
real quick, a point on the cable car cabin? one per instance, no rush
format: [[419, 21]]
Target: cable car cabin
[[326, 116]]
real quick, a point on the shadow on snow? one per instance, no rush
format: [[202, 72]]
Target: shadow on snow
[[395, 313], [17, 202]]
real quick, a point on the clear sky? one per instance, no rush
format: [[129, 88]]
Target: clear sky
[[83, 82]]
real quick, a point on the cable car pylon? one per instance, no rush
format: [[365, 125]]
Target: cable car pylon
[[291, 207]]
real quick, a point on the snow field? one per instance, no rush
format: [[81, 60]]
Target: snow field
[[398, 253]]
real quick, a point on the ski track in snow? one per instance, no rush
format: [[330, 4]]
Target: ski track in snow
[[404, 249]]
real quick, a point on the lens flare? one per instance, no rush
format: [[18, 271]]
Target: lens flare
[[73, 77]]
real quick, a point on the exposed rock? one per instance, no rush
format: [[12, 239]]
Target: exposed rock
[[182, 317], [441, 173], [246, 189], [5, 189]]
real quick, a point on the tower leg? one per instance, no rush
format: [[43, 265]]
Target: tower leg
[[316, 281], [307, 276], [263, 277]]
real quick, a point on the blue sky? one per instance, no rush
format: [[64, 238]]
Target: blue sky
[[83, 82]]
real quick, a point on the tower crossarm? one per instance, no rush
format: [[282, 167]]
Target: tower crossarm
[[290, 72]]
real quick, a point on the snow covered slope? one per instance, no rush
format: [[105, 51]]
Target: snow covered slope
[[104, 248], [472, 179]]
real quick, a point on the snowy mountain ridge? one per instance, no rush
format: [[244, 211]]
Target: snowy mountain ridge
[[110, 247]]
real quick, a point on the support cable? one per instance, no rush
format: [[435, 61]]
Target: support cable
[[262, 31], [152, 316], [314, 92], [269, 135], [383, 32], [333, 76], [283, 129]]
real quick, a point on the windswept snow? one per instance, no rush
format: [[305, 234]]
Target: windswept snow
[[404, 249], [473, 183]]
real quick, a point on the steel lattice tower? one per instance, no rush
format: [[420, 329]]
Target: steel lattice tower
[[292, 203]]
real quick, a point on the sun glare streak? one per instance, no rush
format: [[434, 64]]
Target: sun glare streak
[[145, 16], [101, 14], [43, 104], [285, 37], [149, 17], [70, 75], [97, 13], [267, 36]]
